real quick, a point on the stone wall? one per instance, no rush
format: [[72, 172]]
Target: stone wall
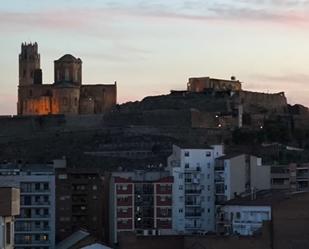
[[253, 101], [101, 98]]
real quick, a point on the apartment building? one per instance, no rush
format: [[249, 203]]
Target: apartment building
[[140, 201], [35, 226], [238, 174], [193, 190], [9, 208], [294, 177], [81, 202]]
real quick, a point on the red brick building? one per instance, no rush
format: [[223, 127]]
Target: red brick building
[[140, 202]]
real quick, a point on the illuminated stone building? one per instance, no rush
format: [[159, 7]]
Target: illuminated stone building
[[201, 84], [67, 95]]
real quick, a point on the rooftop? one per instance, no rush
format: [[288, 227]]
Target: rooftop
[[262, 198], [193, 146], [68, 58]]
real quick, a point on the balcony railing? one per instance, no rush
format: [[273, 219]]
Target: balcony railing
[[193, 214], [193, 191]]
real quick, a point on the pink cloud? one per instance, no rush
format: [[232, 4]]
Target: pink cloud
[[95, 20]]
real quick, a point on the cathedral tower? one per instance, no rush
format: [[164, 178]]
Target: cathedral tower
[[29, 65]]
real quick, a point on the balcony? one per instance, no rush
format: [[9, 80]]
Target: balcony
[[164, 213], [164, 224], [124, 224], [127, 214], [29, 217], [165, 201], [219, 179], [193, 226], [34, 204], [32, 229], [26, 243], [193, 203], [161, 190], [34, 191], [124, 191], [193, 214], [124, 202], [193, 191]]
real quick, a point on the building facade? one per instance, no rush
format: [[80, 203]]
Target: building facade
[[202, 84], [81, 202], [294, 177], [193, 188], [140, 202], [245, 219], [238, 174], [9, 208], [67, 95], [35, 226]]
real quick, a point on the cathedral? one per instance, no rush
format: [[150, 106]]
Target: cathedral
[[67, 95]]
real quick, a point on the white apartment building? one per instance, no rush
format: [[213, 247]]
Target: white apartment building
[[35, 226], [238, 174], [193, 189]]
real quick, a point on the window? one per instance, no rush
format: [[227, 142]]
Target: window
[[46, 212], [66, 74], [94, 187], [64, 101], [37, 211], [208, 210], [180, 175], [208, 187], [46, 187], [187, 153], [30, 93], [62, 176], [208, 176], [187, 165], [208, 198], [37, 186], [238, 215], [208, 154], [180, 187], [8, 233], [180, 210]]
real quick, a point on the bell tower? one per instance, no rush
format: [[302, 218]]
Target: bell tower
[[29, 65]]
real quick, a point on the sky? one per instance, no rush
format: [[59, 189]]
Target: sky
[[150, 47]]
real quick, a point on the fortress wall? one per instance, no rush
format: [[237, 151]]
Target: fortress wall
[[151, 118], [27, 126], [275, 101]]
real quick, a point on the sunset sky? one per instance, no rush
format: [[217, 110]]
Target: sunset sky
[[150, 47]]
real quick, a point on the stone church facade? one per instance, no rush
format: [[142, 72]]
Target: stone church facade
[[67, 95]]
